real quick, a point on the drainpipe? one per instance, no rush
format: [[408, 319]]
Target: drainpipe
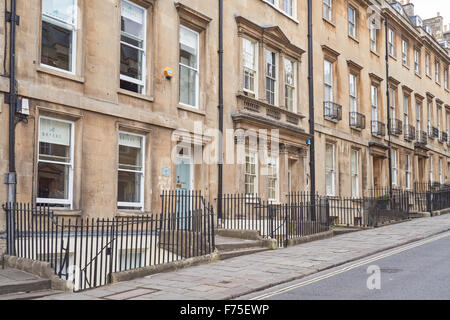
[[220, 186], [312, 167], [11, 99], [388, 106]]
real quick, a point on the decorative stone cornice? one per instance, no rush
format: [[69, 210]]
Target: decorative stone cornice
[[270, 35], [375, 78], [419, 96], [393, 82], [194, 19], [430, 96], [330, 53], [354, 66], [407, 89]]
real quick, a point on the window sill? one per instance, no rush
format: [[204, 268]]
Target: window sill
[[282, 12], [191, 109], [354, 39], [438, 83], [60, 74], [131, 213], [447, 89], [375, 53], [392, 57], [428, 76], [329, 22], [331, 120], [135, 95], [405, 66], [418, 75], [67, 213]]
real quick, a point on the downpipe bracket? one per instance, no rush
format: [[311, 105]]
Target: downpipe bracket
[[10, 178]]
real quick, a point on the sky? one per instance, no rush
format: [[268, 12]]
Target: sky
[[429, 9]]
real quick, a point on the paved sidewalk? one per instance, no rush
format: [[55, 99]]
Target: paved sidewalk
[[235, 277]]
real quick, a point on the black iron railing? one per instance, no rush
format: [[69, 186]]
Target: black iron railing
[[298, 217], [378, 128], [88, 251], [433, 132], [332, 111], [422, 139], [410, 133], [357, 120], [396, 127], [444, 137]]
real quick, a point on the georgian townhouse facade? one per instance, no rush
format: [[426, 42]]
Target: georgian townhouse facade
[[113, 87], [104, 118], [351, 133]]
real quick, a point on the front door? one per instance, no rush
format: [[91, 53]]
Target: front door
[[183, 186]]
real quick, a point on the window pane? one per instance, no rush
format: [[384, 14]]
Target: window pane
[[188, 47], [60, 9], [133, 23], [130, 152], [188, 86], [56, 46], [53, 181], [131, 62], [129, 186]]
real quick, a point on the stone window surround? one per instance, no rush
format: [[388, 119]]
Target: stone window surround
[[332, 56], [76, 118], [419, 50], [376, 82], [146, 132], [149, 51], [76, 75], [394, 84], [355, 69], [273, 39], [408, 60], [394, 31], [197, 22], [354, 6]]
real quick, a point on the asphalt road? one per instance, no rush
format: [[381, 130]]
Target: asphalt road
[[420, 270]]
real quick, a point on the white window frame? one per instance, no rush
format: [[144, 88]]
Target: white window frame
[[391, 42], [278, 5], [353, 98], [437, 67], [438, 116], [325, 83], [331, 170], [408, 172], [430, 130], [327, 7], [274, 161], [293, 86], [393, 107], [68, 26], [374, 103], [394, 167], [293, 5], [416, 61], [441, 172], [66, 202], [406, 110], [255, 70], [418, 119], [431, 169], [352, 23], [427, 64], [275, 79], [446, 78], [404, 52], [197, 70], [373, 37], [143, 50], [139, 204], [355, 173], [256, 182]]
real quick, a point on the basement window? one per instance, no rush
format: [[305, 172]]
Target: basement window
[[58, 47]]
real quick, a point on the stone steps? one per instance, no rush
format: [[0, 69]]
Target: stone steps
[[230, 247], [28, 295], [237, 253], [14, 281]]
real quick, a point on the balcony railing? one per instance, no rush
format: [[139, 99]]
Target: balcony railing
[[357, 120], [410, 132], [396, 127], [433, 132], [332, 111], [378, 128], [444, 137], [422, 138]]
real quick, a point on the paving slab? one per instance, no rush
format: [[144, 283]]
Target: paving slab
[[245, 274]]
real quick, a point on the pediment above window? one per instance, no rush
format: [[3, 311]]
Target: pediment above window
[[270, 35], [192, 18]]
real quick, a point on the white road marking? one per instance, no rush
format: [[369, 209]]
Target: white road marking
[[353, 266]]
